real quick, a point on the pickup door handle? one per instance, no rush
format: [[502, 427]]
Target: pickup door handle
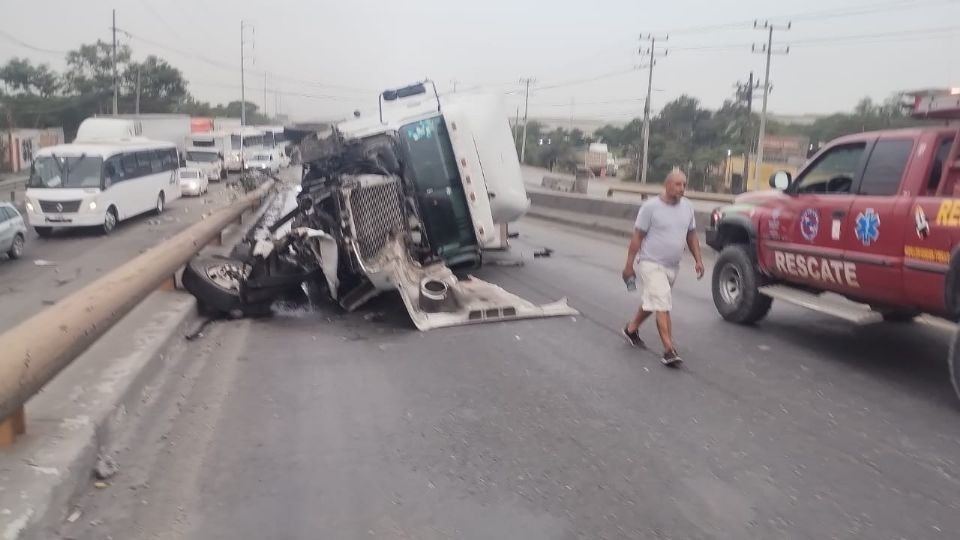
[[837, 214]]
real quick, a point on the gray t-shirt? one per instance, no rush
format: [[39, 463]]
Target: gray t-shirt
[[666, 227]]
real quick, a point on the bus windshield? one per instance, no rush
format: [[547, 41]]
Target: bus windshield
[[66, 172]]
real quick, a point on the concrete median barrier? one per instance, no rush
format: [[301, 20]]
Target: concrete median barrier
[[41, 346], [610, 215]]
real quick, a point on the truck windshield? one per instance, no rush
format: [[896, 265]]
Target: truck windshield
[[203, 157], [430, 154], [66, 172], [432, 168]]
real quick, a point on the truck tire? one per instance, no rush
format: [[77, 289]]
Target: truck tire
[[736, 284], [900, 316], [953, 361]]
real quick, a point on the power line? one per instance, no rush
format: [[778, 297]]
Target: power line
[[26, 45], [283, 92], [848, 11], [234, 67], [574, 82]]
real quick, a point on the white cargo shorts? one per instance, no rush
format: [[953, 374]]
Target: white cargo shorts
[[656, 283]]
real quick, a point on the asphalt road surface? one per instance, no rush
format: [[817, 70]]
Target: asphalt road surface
[[315, 424], [51, 268]]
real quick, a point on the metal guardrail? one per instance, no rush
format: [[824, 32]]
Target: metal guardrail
[[647, 191], [40, 347]]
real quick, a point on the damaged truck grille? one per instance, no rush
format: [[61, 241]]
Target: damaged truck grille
[[375, 204]]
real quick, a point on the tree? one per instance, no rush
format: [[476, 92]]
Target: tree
[[90, 72], [162, 87], [21, 76]]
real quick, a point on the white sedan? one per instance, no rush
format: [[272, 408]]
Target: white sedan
[[193, 181]]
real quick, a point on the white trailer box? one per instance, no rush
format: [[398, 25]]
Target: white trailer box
[[163, 127]]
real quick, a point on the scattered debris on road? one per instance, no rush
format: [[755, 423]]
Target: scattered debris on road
[[43, 263], [545, 252], [106, 467]]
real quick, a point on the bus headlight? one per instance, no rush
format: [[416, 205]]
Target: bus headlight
[[93, 205]]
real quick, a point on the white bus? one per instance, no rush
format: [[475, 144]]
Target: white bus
[[100, 184], [252, 141]]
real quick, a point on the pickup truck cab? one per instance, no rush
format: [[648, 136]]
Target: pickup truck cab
[[873, 217]]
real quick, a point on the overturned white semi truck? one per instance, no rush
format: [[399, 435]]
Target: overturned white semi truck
[[404, 201]]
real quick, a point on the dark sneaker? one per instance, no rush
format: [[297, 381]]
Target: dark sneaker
[[671, 358], [633, 338]]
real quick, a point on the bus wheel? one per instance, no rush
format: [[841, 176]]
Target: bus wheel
[[160, 202], [109, 221]]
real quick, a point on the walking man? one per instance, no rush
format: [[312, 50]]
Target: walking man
[[663, 226]]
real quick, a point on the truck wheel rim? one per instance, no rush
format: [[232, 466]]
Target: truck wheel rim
[[731, 284], [227, 275]]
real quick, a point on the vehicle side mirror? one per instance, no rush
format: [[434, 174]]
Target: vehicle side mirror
[[781, 180]]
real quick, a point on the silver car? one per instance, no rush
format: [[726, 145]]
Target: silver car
[[13, 231]]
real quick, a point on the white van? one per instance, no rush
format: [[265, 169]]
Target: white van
[[245, 141], [100, 184]]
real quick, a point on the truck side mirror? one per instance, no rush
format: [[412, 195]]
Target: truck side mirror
[[781, 180]]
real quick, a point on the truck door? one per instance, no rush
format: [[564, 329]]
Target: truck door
[[811, 220], [873, 230], [930, 225]]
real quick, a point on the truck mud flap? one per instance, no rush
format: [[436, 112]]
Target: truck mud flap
[[435, 298]]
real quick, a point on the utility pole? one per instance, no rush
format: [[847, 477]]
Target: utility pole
[[116, 80], [768, 50], [516, 127], [454, 82], [526, 109], [745, 95], [138, 91], [243, 88], [265, 94], [652, 53]]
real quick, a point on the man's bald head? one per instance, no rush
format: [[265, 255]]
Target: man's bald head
[[674, 186]]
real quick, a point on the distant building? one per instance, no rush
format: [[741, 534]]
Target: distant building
[[18, 146]]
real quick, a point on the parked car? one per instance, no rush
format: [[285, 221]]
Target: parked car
[[263, 161], [13, 231], [193, 181]]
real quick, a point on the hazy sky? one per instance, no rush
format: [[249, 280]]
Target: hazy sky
[[327, 58]]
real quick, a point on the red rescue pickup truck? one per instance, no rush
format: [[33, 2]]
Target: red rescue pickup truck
[[874, 217]]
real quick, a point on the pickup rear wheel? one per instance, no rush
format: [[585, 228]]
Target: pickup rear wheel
[[736, 284], [954, 362]]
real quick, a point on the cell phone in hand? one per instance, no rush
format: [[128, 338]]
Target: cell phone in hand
[[631, 283]]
